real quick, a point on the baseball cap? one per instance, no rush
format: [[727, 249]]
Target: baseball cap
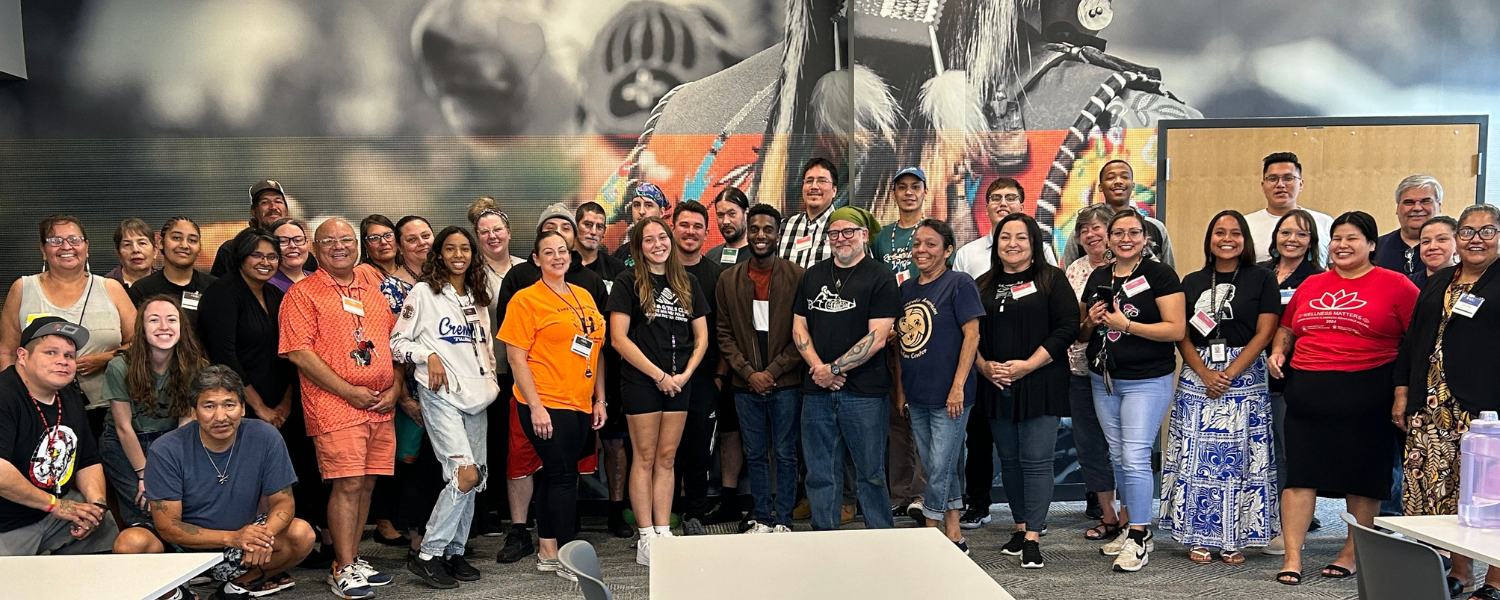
[[263, 185], [911, 171], [650, 192], [556, 211], [41, 327]]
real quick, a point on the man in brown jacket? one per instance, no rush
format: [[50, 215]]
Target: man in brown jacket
[[755, 336]]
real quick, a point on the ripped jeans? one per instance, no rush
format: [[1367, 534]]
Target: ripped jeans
[[458, 440]]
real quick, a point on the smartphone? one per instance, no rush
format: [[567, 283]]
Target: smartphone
[[1105, 294]]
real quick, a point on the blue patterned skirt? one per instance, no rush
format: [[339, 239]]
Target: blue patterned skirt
[[1219, 471]]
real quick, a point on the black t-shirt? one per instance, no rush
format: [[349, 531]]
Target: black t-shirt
[[716, 256], [157, 283], [608, 267], [838, 304], [48, 456], [667, 339], [708, 273], [1134, 357], [1241, 299]]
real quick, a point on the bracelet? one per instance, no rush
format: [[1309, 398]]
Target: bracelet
[[1128, 323], [662, 378], [53, 504]]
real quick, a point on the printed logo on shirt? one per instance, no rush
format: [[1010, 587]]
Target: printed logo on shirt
[[1340, 300], [829, 302], [1130, 310], [667, 306], [453, 333], [408, 311], [1205, 302], [898, 260], [52, 462], [916, 327]]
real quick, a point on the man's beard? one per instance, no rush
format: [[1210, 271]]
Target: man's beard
[[733, 236]]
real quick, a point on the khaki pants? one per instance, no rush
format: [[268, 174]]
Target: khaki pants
[[52, 535]]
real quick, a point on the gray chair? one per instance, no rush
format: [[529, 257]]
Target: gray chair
[[1395, 568], [578, 556]]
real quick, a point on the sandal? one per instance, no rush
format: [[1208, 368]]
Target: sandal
[[1232, 557], [1200, 555], [1337, 572], [1486, 592], [1289, 578], [1103, 531]]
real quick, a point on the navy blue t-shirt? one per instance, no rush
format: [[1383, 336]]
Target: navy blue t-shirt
[[932, 336], [178, 469]]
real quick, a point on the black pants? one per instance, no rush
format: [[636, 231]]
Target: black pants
[[695, 452], [979, 469], [493, 498], [556, 491], [311, 491]]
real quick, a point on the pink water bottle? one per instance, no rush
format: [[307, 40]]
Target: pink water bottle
[[1479, 475]]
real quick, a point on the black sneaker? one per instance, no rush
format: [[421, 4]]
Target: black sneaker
[[224, 594], [1031, 555], [618, 527], [693, 526], [433, 572], [974, 517], [1314, 525], [460, 568], [747, 523], [1092, 510], [725, 512], [1015, 545], [517, 545]]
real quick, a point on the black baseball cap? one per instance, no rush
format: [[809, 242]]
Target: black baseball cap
[[41, 327], [264, 185]]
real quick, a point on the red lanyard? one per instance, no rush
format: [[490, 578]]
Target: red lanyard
[[54, 432]]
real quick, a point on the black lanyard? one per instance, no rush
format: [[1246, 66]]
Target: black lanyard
[[1213, 297]]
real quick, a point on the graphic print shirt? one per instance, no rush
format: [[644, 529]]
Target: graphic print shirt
[[666, 340], [838, 304], [1240, 300], [1349, 324], [931, 336], [49, 456]]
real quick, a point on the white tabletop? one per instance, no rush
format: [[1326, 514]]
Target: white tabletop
[[862, 563], [100, 576], [1444, 532]]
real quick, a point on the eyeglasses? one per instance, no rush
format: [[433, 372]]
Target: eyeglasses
[[296, 240], [72, 240], [1004, 197], [1288, 179], [375, 238], [817, 181], [1485, 233], [347, 240], [1127, 233], [491, 231], [1294, 233], [844, 234], [263, 257]]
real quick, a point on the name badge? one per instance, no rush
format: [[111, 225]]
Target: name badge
[[1218, 351], [1203, 322], [1286, 296], [1467, 305], [1022, 290], [1136, 286], [729, 256], [471, 314], [901, 277], [583, 346], [190, 300], [803, 243], [354, 307]]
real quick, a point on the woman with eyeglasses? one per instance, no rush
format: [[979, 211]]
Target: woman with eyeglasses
[[1218, 480], [1091, 229], [291, 238], [1133, 320], [1447, 357], [1438, 248], [65, 288], [1346, 325], [377, 237]]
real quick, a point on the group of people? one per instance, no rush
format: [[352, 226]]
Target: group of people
[[848, 367]]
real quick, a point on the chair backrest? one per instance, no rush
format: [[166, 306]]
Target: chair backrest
[[1395, 568], [579, 557]]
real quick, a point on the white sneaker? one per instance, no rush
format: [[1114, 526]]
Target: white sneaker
[[1113, 548], [781, 529], [1277, 547], [1132, 556], [374, 577], [643, 552], [914, 510], [349, 583], [555, 566], [756, 527]]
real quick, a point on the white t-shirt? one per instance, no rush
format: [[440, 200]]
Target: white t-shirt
[[974, 257], [1263, 231]]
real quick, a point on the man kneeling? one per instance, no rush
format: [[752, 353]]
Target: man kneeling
[[207, 481]]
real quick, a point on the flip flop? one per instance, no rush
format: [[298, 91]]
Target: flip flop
[[1338, 572], [1200, 555], [1289, 578], [1232, 557]]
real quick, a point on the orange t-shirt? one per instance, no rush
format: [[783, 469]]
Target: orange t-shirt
[[545, 323], [313, 317]]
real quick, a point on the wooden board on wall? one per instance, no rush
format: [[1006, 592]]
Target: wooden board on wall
[[1344, 168]]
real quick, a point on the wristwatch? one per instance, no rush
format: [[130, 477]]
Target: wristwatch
[[835, 370]]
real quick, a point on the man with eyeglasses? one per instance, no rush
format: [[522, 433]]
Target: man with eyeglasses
[[1001, 198], [1281, 182], [267, 204], [1418, 198], [646, 200], [336, 327], [804, 237], [1116, 186], [843, 314]]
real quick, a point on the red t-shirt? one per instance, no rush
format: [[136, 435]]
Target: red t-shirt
[[1349, 324], [762, 281]]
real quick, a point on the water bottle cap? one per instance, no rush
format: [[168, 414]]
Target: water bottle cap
[[1489, 415]]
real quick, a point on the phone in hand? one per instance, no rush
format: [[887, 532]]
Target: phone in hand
[[1105, 294]]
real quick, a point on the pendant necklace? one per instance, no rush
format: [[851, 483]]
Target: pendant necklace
[[223, 475]]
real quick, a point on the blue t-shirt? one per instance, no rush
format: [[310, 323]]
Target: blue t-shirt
[[178, 469], [932, 336]]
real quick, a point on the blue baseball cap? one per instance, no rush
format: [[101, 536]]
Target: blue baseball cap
[[911, 171]]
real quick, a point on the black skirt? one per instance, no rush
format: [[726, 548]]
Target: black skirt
[[1339, 436]]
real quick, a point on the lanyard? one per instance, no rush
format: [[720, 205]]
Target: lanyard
[[1213, 297], [475, 331], [577, 310], [54, 433]]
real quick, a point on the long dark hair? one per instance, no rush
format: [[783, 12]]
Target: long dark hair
[[677, 277], [435, 272], [364, 230], [989, 281], [1247, 247], [188, 358]]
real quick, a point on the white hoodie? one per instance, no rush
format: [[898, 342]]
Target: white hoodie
[[438, 323]]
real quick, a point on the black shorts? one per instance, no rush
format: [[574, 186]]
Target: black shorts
[[728, 414], [643, 399], [614, 419]]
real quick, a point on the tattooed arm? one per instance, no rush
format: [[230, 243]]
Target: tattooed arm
[[868, 346], [282, 509], [167, 515]]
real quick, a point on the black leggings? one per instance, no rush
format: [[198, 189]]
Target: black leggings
[[557, 484]]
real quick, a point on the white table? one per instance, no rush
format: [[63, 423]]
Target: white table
[[1444, 532], [100, 576], [862, 563]]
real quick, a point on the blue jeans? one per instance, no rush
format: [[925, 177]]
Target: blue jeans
[[1026, 466], [829, 423], [121, 475], [768, 431], [940, 444], [459, 439], [1131, 418], [1088, 438]]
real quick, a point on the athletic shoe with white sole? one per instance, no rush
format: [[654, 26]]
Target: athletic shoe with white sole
[[1031, 555], [781, 529], [643, 551], [758, 528], [1277, 547], [1113, 547], [376, 578], [974, 517], [914, 510], [349, 583], [1132, 555], [554, 566], [1015, 545]]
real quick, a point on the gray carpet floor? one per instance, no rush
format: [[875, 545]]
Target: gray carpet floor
[[1075, 569]]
